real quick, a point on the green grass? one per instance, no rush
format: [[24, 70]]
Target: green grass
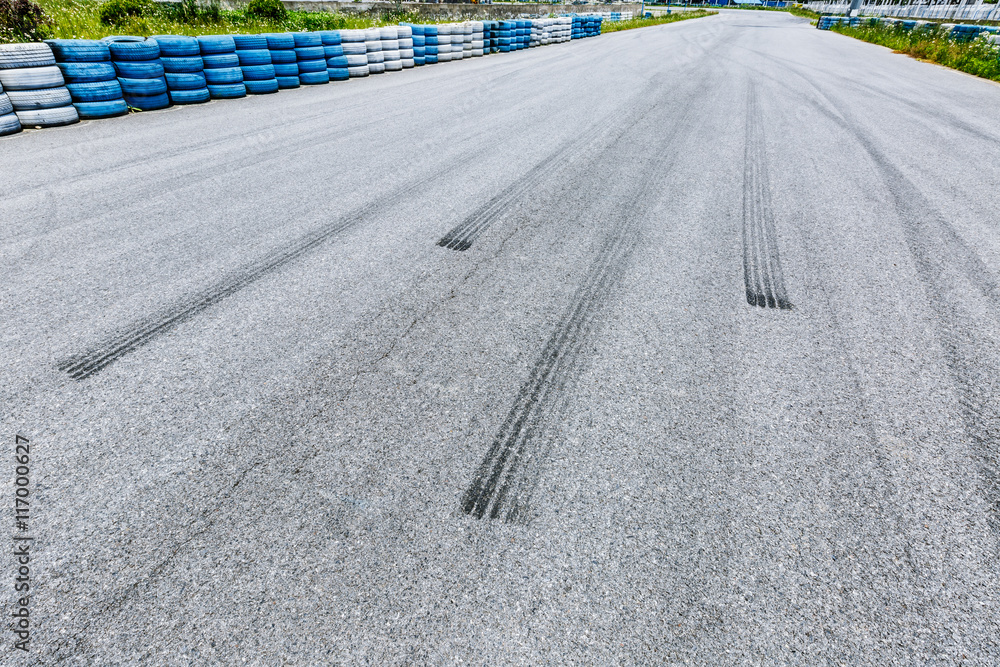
[[80, 19], [614, 26], [978, 57]]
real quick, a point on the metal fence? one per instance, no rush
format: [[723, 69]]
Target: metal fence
[[978, 11]]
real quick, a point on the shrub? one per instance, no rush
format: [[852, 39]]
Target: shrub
[[268, 10], [114, 12], [23, 21]]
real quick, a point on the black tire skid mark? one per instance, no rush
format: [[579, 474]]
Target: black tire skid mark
[[86, 364], [763, 277], [462, 236], [502, 485], [503, 469], [972, 362]]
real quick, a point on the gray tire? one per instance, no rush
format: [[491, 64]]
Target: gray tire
[[30, 100], [9, 124], [14, 56], [31, 78], [49, 117]]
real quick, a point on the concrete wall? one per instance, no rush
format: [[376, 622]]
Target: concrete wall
[[442, 10]]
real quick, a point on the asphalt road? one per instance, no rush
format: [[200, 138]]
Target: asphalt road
[[675, 346]]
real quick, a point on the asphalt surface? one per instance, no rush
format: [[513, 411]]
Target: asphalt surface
[[675, 346]]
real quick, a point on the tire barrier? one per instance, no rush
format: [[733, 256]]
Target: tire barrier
[[254, 57], [283, 58], [419, 45], [310, 58], [353, 44], [405, 39], [389, 36], [183, 69], [9, 124], [373, 51], [333, 50], [64, 80], [33, 89], [140, 71], [90, 77], [223, 74]]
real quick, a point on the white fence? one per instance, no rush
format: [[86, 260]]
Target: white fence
[[964, 12]]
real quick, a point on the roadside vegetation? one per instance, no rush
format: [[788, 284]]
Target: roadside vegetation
[[978, 57], [614, 26], [27, 21]]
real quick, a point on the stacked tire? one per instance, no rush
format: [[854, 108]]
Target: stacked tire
[[255, 62], [404, 35], [466, 31], [34, 88], [222, 67], [389, 36], [506, 36], [373, 49], [432, 44], [535, 37], [140, 72], [353, 44], [487, 37], [333, 51], [183, 69], [89, 76], [444, 33], [478, 39], [9, 124], [419, 45], [281, 45], [310, 58]]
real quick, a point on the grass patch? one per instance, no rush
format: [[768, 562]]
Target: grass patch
[[977, 57], [615, 26], [81, 19]]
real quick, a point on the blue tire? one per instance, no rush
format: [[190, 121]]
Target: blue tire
[[146, 69], [199, 96], [193, 81], [311, 66], [221, 60], [283, 57], [261, 87], [279, 40], [9, 124], [310, 53], [214, 44], [329, 37], [418, 61], [339, 61], [87, 72], [314, 78], [286, 70], [95, 110], [258, 72], [148, 102], [305, 39], [338, 73], [333, 51], [134, 51], [250, 42], [99, 91], [143, 87], [430, 59], [190, 65], [228, 91], [177, 46], [224, 77], [285, 82], [254, 58], [79, 50]]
